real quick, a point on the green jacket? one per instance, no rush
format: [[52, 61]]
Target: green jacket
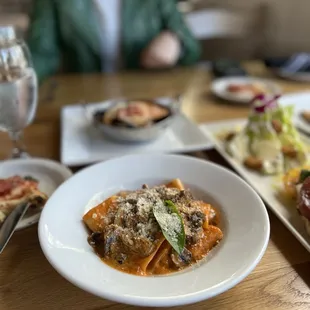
[[64, 34]]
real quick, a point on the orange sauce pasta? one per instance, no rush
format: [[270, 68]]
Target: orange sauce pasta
[[128, 237]]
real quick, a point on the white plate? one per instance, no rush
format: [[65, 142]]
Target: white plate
[[82, 143], [297, 77], [50, 175], [301, 101], [63, 236], [266, 186], [219, 88]]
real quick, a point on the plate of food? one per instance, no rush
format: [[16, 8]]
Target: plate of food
[[28, 180], [136, 120], [301, 102], [263, 149], [85, 139], [136, 228], [296, 189], [243, 89]]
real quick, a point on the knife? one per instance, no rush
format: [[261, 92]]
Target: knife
[[8, 227]]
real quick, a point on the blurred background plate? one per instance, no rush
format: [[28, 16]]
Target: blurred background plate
[[82, 143], [220, 88]]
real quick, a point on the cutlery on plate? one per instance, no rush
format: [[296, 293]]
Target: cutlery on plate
[[8, 227]]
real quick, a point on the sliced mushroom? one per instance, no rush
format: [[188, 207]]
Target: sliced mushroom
[[181, 260], [94, 239]]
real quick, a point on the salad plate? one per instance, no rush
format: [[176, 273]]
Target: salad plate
[[63, 235], [268, 184]]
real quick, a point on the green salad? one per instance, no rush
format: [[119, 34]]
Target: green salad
[[269, 143]]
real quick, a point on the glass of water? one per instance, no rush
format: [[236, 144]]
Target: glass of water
[[18, 89]]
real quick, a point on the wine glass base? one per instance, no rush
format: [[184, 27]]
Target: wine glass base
[[17, 154]]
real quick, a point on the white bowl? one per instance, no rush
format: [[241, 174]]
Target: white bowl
[[245, 224]]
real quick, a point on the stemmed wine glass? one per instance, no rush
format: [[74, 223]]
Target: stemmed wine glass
[[18, 89]]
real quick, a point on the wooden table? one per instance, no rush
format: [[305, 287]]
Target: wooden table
[[27, 281]]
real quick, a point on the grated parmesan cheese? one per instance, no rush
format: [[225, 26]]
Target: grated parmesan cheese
[[134, 225], [168, 222]]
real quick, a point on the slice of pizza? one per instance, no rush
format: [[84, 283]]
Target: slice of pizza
[[16, 190]]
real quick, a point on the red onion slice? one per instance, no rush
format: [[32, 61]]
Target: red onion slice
[[266, 102]]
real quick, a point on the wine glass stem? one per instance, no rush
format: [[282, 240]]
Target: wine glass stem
[[19, 150]]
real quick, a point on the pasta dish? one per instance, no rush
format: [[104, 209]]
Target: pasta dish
[[153, 231]]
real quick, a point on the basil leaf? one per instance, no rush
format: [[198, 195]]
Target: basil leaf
[[171, 224], [304, 174]]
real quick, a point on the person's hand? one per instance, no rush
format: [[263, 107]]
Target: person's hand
[[162, 52]]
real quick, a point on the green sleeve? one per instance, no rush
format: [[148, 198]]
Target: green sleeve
[[173, 21], [43, 40]]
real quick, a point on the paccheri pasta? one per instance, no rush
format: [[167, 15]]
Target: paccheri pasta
[[153, 231]]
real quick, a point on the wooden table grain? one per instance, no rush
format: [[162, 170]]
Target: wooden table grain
[[27, 281]]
